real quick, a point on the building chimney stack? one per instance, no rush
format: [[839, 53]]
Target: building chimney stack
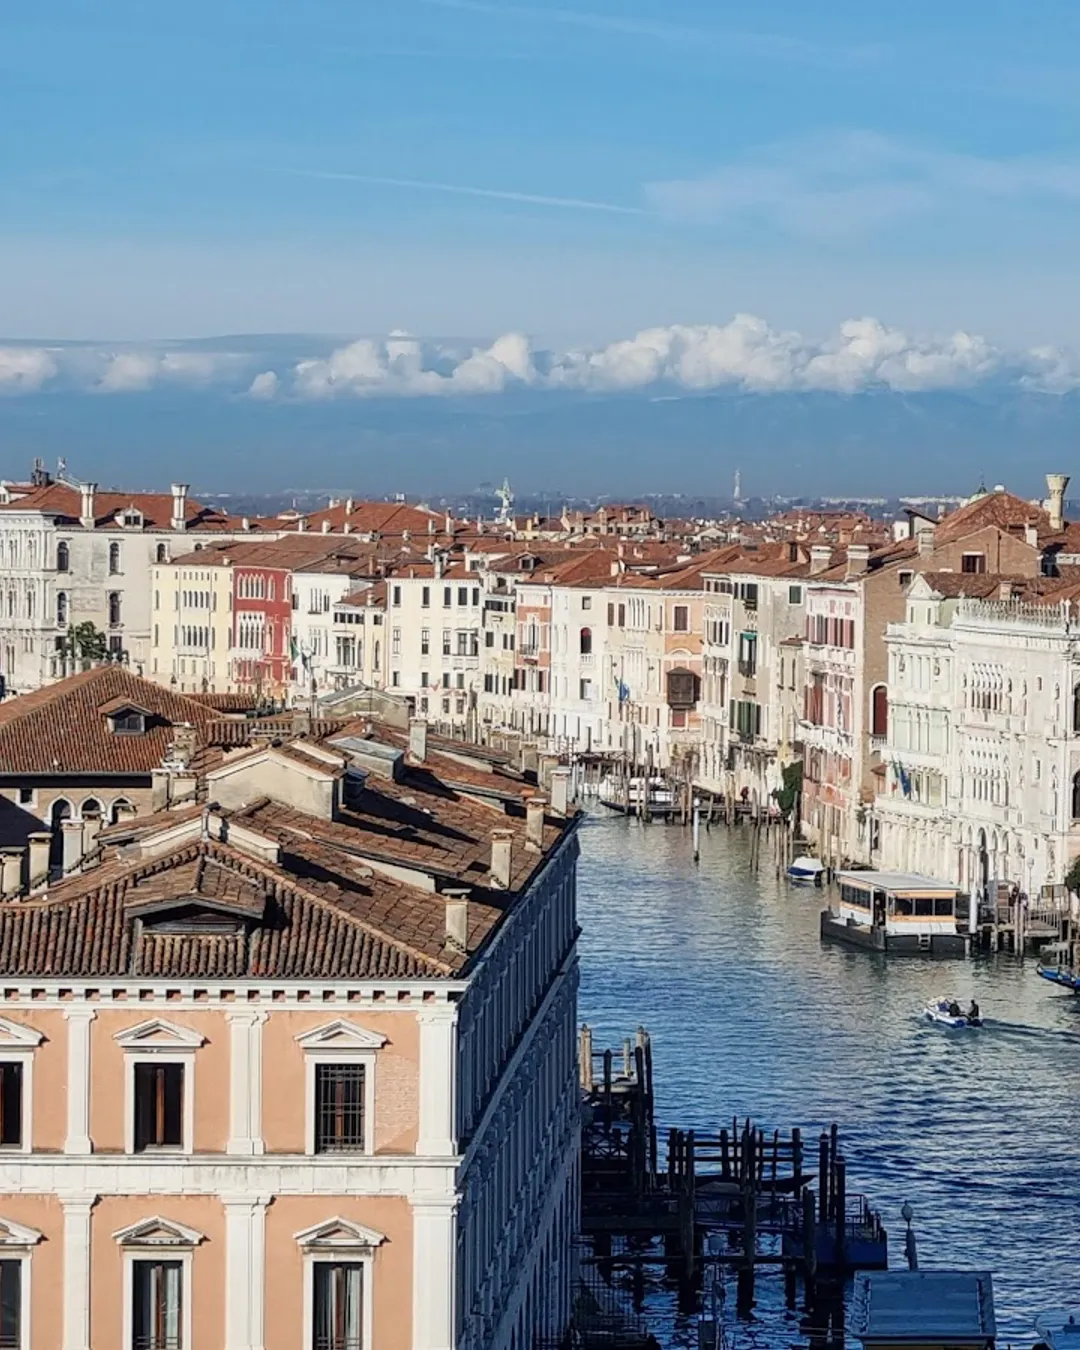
[[417, 740], [456, 904], [11, 866], [820, 557], [326, 527], [858, 560], [179, 506], [560, 791], [87, 492], [925, 540], [534, 823], [38, 876], [502, 857], [1056, 483]]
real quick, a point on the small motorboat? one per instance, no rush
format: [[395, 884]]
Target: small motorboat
[[806, 870], [937, 1010], [1060, 1330]]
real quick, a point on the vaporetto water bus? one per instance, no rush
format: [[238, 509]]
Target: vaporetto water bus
[[897, 912]]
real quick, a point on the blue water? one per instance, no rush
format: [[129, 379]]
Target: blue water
[[751, 1015]]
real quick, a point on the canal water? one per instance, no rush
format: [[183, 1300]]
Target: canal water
[[751, 1015]]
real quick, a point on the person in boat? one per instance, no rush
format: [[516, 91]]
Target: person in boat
[[954, 1008], [973, 1012]]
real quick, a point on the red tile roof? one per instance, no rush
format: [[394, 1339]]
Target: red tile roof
[[65, 502], [1002, 509], [63, 728]]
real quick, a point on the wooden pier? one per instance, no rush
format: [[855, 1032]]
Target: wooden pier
[[738, 1198]]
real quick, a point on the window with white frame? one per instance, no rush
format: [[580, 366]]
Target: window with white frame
[[339, 1257], [16, 1243], [157, 1283], [339, 1062], [159, 1086], [18, 1043]]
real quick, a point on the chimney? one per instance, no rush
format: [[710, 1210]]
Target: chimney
[[179, 506], [560, 791], [348, 506], [1056, 483], [417, 739], [87, 493], [11, 865], [38, 874], [820, 557], [502, 856], [926, 542], [72, 833], [456, 902], [1031, 535], [245, 523], [449, 523], [534, 824], [301, 525], [858, 560]]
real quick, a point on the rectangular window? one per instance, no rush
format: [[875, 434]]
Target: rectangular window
[[586, 602], [611, 616], [425, 597], [425, 641], [11, 1091], [338, 1312], [622, 616], [423, 679], [489, 638], [395, 641], [463, 595], [159, 1106], [156, 1305], [447, 596], [476, 595], [446, 642], [397, 595], [339, 1108], [973, 562], [11, 1328], [794, 595], [681, 619]]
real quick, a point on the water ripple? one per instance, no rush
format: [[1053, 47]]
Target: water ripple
[[751, 1015]]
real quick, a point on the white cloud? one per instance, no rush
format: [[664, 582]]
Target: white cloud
[[264, 385], [133, 371], [24, 369]]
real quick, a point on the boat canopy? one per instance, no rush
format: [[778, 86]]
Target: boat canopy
[[898, 883]]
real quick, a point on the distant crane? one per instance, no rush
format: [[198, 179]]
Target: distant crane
[[505, 496]]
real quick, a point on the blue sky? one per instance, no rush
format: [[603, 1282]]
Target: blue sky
[[466, 169]]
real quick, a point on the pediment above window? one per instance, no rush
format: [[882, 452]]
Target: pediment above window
[[17, 1036], [158, 1232], [157, 1034], [14, 1234], [340, 1035], [336, 1234]]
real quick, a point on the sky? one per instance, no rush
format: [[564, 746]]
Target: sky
[[289, 226]]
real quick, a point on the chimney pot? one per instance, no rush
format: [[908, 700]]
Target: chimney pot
[[11, 868], [1056, 483], [534, 823], [39, 843], [418, 739], [179, 506], [560, 791], [502, 857], [858, 560], [820, 557], [87, 514], [456, 904]]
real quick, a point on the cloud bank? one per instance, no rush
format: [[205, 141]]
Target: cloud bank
[[744, 355]]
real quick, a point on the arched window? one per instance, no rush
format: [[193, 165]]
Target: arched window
[[1076, 797], [114, 558], [114, 609], [91, 809], [585, 642], [121, 809], [63, 557], [879, 711], [162, 554], [1076, 710], [61, 609]]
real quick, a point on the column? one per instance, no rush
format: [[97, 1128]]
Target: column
[[245, 1272], [245, 1081], [434, 1254], [438, 1056], [76, 1319], [78, 1017]]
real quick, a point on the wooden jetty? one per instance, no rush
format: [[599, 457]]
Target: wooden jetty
[[740, 1197]]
